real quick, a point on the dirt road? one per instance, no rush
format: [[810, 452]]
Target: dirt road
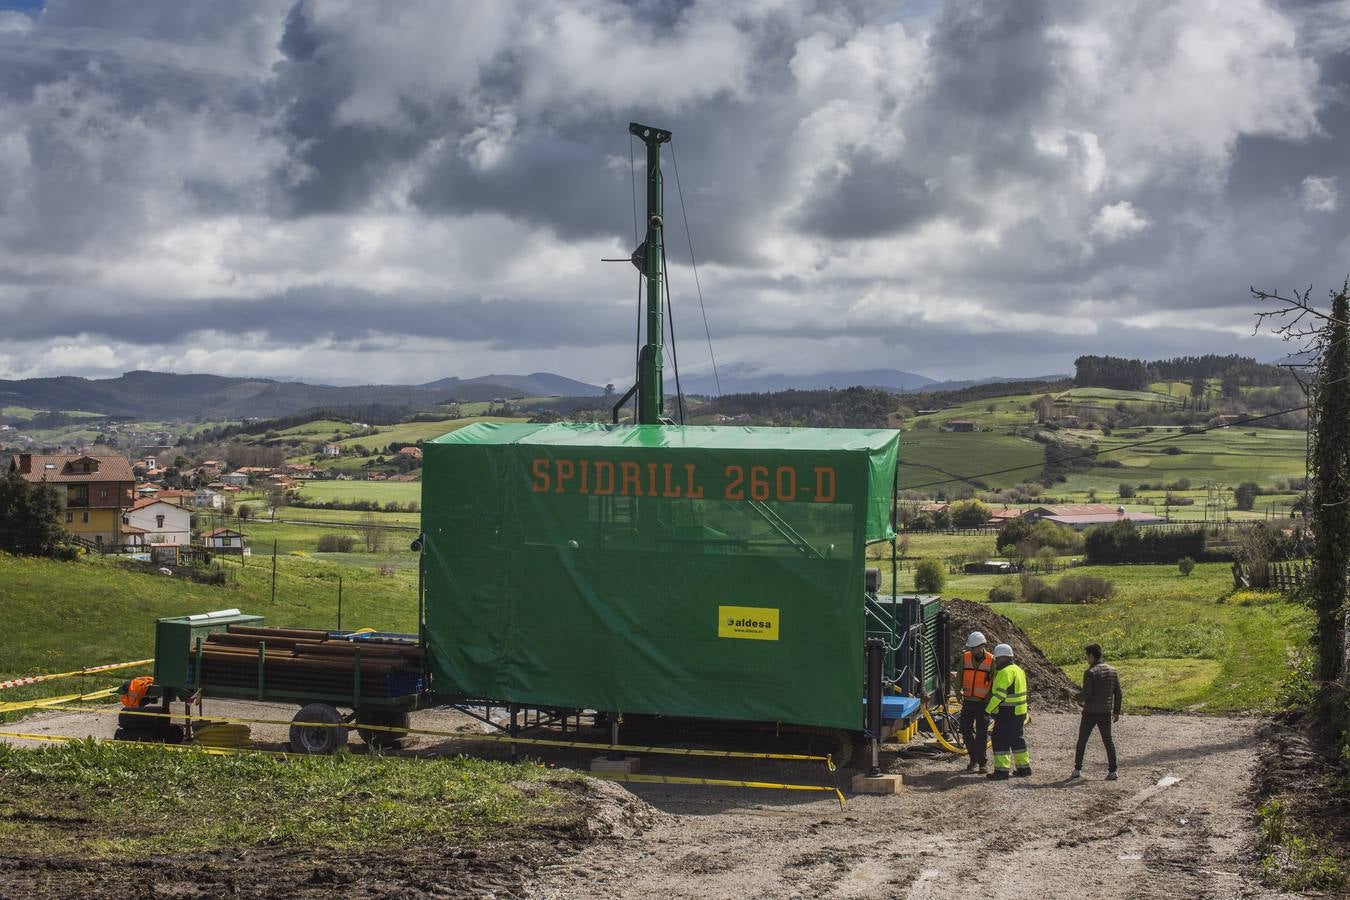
[[1175, 826]]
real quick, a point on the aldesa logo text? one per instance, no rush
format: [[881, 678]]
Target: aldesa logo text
[[755, 623]]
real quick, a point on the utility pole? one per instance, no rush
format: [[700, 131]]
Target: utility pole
[[648, 258], [274, 570]]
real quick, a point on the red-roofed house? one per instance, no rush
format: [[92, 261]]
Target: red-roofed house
[[94, 490], [163, 522], [1079, 516]]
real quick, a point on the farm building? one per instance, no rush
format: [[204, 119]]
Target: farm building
[[960, 425], [1085, 515]]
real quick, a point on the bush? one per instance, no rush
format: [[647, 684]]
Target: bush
[[1035, 590], [1185, 565], [929, 577], [336, 543], [1085, 589], [1122, 542], [1245, 494], [969, 513], [1002, 593], [1126, 491], [1174, 450]]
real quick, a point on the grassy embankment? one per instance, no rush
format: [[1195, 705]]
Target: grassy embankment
[[62, 616], [1180, 642]]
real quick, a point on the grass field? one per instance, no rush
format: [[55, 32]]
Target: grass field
[[938, 456], [120, 802], [1178, 647], [412, 432], [346, 491], [61, 616]]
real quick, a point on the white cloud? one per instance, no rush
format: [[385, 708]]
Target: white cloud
[[1320, 194], [1118, 221]]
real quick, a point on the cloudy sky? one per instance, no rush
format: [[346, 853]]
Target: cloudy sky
[[398, 192]]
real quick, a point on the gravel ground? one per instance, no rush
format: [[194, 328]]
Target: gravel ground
[[1176, 824]]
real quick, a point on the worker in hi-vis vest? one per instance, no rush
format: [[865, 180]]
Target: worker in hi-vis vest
[[1008, 706], [977, 679]]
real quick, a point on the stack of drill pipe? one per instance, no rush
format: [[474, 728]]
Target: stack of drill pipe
[[307, 660]]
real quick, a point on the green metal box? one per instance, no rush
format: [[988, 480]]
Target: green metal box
[[175, 637]]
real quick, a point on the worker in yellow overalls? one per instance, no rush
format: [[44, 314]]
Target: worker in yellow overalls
[[1008, 705]]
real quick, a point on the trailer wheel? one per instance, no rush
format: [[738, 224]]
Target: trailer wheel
[[382, 740], [327, 737]]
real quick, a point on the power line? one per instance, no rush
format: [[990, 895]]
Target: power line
[[1095, 453]]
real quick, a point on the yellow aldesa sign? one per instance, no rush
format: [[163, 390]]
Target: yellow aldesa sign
[[754, 623]]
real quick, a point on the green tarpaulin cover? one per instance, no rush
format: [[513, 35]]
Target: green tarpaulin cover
[[688, 571]]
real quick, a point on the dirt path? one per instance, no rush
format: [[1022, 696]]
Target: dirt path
[[1175, 826]]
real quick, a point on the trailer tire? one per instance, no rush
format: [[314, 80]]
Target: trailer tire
[[382, 740], [322, 739]]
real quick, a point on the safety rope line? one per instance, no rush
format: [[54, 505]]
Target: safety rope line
[[609, 776], [828, 759], [18, 705], [89, 670], [150, 745], [715, 782]]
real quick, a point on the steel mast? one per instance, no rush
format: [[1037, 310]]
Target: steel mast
[[648, 258]]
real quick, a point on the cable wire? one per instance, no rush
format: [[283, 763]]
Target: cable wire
[[670, 316], [1094, 453], [694, 263]]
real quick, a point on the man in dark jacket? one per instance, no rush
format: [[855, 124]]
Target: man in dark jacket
[[1100, 700]]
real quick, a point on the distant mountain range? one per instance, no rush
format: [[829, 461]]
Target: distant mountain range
[[162, 395], [740, 382], [167, 396]]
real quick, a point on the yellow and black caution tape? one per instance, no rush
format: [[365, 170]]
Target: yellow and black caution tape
[[610, 776], [502, 738], [716, 782], [88, 670], [18, 705], [178, 748]]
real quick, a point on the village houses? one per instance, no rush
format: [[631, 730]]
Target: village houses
[[94, 491]]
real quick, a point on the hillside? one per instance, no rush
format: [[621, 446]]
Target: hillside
[[164, 396]]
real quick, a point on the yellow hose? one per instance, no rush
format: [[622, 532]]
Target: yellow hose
[[942, 741], [222, 735]]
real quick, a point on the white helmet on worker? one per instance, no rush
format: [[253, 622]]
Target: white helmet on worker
[[976, 639], [1003, 650]]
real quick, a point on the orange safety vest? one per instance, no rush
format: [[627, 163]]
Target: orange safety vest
[[136, 689], [976, 679]]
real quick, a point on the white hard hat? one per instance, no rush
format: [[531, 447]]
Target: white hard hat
[[1002, 650], [976, 639]]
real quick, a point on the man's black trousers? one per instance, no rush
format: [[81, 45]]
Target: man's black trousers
[[975, 730], [1090, 721]]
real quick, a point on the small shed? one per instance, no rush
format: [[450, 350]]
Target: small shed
[[224, 540]]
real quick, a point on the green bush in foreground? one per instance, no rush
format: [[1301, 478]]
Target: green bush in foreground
[[1185, 565]]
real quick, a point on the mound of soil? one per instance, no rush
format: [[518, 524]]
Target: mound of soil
[[1050, 688]]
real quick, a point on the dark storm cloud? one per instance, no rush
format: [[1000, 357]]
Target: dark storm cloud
[[850, 170]]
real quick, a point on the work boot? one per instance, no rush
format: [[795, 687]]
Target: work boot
[[970, 766], [1023, 772], [983, 769], [1111, 776], [1076, 773], [998, 775]]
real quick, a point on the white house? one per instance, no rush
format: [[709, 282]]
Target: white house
[[332, 450], [224, 540], [205, 498], [235, 479], [161, 522]]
